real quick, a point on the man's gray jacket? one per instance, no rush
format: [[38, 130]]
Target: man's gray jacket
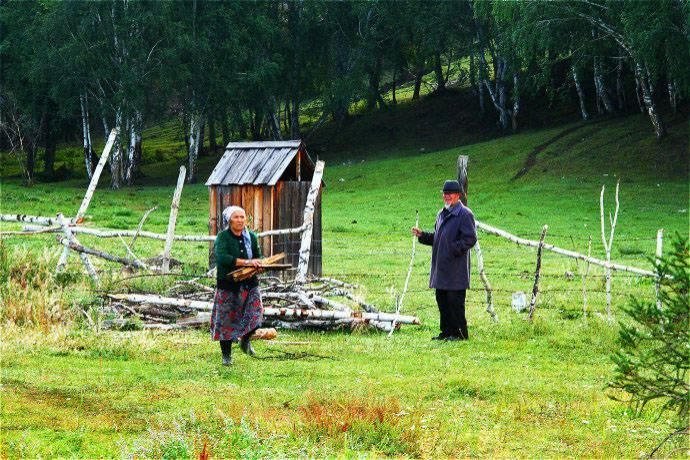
[[451, 241]]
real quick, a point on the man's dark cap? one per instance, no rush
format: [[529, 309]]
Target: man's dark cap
[[451, 186]]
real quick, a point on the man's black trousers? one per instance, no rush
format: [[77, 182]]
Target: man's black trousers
[[451, 305]]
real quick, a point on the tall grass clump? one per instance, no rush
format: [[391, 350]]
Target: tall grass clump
[[31, 294]]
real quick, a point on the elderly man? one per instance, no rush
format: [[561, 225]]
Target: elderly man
[[452, 238]]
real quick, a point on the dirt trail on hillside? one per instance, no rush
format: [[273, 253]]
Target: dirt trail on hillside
[[532, 157]]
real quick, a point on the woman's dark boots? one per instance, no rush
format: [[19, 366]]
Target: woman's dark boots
[[246, 345], [226, 350]]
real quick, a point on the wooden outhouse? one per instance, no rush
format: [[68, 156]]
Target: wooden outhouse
[[270, 180]]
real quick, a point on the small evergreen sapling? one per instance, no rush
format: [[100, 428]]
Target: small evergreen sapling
[[652, 363]]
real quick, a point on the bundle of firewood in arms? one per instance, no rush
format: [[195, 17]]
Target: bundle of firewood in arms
[[318, 304]]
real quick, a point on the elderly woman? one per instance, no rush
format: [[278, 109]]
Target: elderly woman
[[237, 308]]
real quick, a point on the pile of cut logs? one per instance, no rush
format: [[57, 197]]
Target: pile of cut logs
[[320, 304]]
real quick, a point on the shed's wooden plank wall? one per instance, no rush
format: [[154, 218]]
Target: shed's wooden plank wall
[[270, 208]]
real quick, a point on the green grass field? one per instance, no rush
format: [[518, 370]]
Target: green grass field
[[514, 390]]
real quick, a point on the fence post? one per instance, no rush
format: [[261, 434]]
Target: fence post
[[537, 274], [173, 219], [659, 252]]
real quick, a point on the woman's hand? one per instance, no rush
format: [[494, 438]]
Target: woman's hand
[[416, 231]]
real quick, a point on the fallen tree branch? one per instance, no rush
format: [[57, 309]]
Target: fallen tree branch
[[103, 255]]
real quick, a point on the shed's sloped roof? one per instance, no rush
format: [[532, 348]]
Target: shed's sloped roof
[[257, 163]]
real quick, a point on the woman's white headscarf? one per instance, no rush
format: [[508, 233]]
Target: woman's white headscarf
[[227, 214]]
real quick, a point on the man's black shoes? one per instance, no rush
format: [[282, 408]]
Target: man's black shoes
[[439, 337]]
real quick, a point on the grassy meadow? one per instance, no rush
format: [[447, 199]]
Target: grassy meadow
[[513, 390]]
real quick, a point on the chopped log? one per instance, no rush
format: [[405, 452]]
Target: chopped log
[[265, 333], [336, 282], [160, 300], [331, 303], [72, 240], [565, 252], [359, 301], [537, 274], [487, 286], [23, 218], [247, 272], [89, 191], [305, 244], [174, 207]]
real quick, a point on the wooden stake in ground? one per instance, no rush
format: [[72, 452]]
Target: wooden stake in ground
[[659, 252], [399, 302], [609, 243], [71, 239], [173, 219], [487, 286], [537, 274], [584, 279], [305, 245], [89, 191]]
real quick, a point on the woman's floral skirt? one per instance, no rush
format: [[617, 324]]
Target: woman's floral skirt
[[236, 314]]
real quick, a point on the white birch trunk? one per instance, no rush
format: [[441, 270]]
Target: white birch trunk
[[116, 156], [649, 102], [580, 96], [673, 95], [173, 219], [600, 84], [86, 133], [516, 101], [195, 121], [308, 224], [132, 155]]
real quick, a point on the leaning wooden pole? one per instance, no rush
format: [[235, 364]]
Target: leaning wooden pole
[[308, 224], [537, 274], [89, 191], [399, 303], [174, 208]]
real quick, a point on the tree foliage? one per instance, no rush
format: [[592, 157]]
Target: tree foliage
[[255, 68], [653, 361]]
